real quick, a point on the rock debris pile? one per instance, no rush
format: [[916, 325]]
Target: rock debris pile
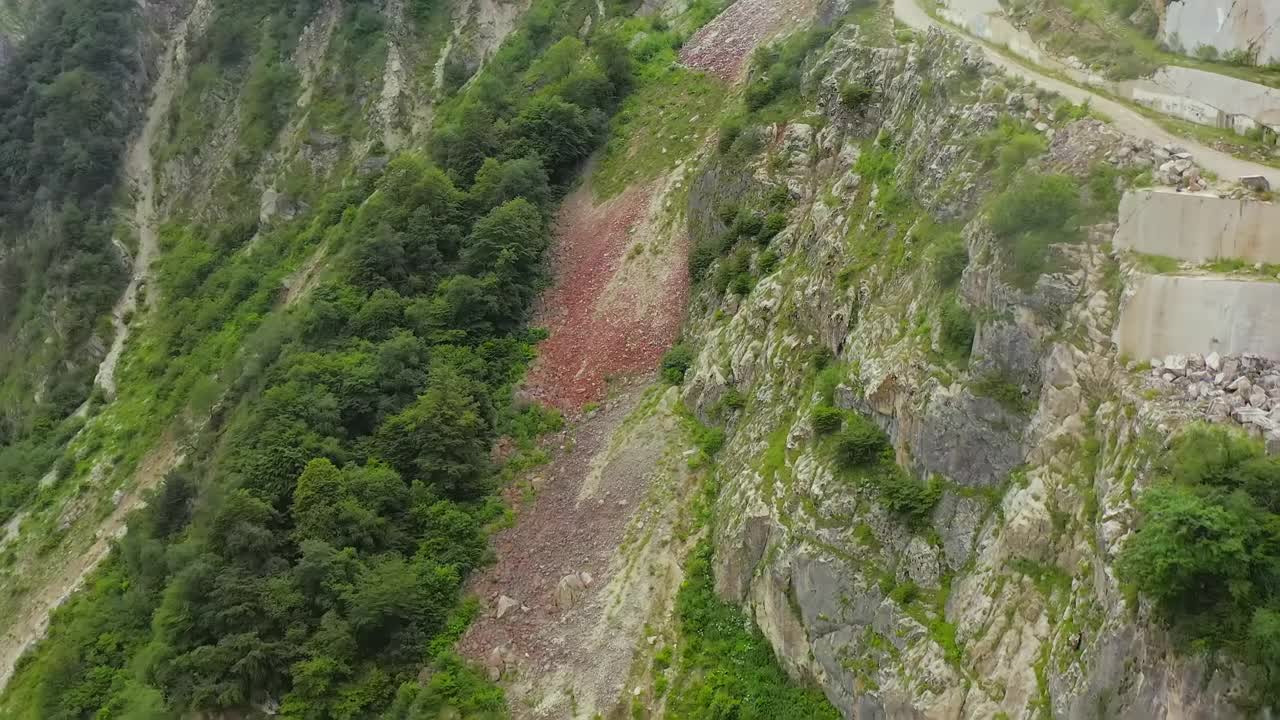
[[1242, 388], [722, 46], [1169, 164]]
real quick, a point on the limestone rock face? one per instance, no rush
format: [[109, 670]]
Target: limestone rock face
[[999, 596]]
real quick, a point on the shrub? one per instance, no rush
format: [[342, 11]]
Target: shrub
[[996, 387], [768, 262], [1207, 547], [1010, 145], [827, 419], [774, 223], [906, 496], [854, 96], [1207, 52], [1032, 215], [958, 330], [747, 224], [778, 198], [1129, 67], [1104, 189], [758, 94], [732, 400], [905, 593], [1240, 57], [861, 443], [876, 163], [950, 257], [1018, 150], [732, 271], [676, 362], [730, 129], [820, 358], [749, 142], [701, 259], [1123, 8]]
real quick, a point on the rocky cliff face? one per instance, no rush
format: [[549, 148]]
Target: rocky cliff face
[[1002, 602]]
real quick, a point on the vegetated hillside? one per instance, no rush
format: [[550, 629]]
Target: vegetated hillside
[[326, 358], [59, 272]]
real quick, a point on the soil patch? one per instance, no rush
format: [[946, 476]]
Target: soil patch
[[617, 300], [601, 518]]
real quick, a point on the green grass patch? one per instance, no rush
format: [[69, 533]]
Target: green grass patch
[[660, 124], [1159, 264], [1009, 395], [725, 667]]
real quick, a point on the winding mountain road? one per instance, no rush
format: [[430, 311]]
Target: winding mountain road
[[1225, 165]]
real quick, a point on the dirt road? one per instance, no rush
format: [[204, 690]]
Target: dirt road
[[1226, 166]]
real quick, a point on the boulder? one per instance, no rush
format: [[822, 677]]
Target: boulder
[[1241, 385], [1256, 183], [569, 591], [1258, 398], [1230, 370], [1251, 416], [1060, 368], [506, 605], [497, 662], [1176, 364]]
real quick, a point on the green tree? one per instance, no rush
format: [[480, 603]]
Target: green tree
[[511, 236], [396, 605], [440, 440], [500, 182], [560, 132]]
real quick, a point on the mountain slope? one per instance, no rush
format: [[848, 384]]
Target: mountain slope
[[630, 359]]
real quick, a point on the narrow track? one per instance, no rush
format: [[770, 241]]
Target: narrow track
[[1129, 121]]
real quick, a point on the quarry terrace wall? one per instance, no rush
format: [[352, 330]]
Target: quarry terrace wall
[[1171, 314], [1227, 25], [1205, 98], [1198, 228]]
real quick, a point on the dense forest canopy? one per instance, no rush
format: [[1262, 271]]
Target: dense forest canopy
[[68, 100]]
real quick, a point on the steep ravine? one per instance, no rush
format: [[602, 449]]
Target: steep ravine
[[139, 171]]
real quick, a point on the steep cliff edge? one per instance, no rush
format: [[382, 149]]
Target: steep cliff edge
[[972, 572]]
